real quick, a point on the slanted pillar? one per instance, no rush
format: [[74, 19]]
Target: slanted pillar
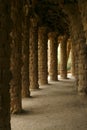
[[33, 61], [79, 39], [42, 55], [63, 57], [16, 57], [83, 53], [25, 52], [83, 9], [53, 72], [5, 75], [82, 65], [83, 47]]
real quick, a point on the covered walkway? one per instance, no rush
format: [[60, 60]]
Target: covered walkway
[[56, 106]]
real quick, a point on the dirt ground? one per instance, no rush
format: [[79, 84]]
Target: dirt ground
[[55, 106]]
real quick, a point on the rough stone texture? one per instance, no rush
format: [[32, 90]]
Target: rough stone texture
[[53, 71], [42, 55], [16, 57], [78, 37], [5, 75], [83, 9], [63, 57], [82, 88], [33, 60], [51, 14], [55, 107], [25, 52], [83, 53], [72, 60]]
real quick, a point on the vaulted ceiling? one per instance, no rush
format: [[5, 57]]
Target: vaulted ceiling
[[52, 15]]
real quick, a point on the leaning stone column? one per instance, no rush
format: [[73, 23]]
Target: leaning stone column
[[42, 55], [25, 52], [83, 9], [83, 48], [5, 75], [82, 68], [16, 57], [53, 72], [33, 60], [80, 48], [63, 57]]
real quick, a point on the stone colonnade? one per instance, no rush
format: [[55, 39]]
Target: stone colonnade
[[11, 59]]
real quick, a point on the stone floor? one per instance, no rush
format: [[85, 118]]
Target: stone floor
[[53, 107]]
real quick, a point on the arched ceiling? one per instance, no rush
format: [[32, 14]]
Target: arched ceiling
[[51, 14]]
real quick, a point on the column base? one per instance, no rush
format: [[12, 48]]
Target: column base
[[43, 83], [25, 95], [82, 91], [64, 78], [53, 79], [34, 89], [16, 111]]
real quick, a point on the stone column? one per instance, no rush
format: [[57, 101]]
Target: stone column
[[83, 47], [42, 55], [25, 52], [75, 61], [5, 75], [33, 61], [72, 60], [53, 72], [16, 57], [63, 57], [68, 48], [82, 65], [48, 56], [83, 11]]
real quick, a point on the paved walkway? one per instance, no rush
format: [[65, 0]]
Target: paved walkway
[[54, 107]]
